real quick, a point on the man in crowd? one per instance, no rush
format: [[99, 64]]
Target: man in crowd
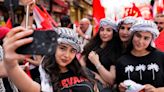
[[159, 42], [85, 31]]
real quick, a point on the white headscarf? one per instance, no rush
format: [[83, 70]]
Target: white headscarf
[[146, 26]]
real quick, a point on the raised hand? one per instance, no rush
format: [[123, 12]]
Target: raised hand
[[94, 58], [13, 40]]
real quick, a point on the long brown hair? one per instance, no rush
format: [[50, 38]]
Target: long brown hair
[[52, 69]]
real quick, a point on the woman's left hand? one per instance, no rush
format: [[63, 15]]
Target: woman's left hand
[[94, 58]]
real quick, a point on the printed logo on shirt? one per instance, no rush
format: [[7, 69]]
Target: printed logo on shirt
[[141, 69], [72, 81]]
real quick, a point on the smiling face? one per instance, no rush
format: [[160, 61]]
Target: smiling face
[[106, 34], [141, 40], [64, 55], [124, 32]]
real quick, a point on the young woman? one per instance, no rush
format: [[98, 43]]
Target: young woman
[[142, 63], [123, 31], [60, 72], [100, 53]]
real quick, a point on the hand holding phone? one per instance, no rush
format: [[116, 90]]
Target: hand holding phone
[[43, 44]]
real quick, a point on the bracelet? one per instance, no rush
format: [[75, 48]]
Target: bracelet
[[98, 66]]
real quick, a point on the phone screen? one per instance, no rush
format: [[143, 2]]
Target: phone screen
[[43, 44]]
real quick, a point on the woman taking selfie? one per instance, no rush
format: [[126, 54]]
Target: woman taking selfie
[[60, 72]]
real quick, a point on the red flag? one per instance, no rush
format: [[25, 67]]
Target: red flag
[[132, 11], [49, 17], [3, 32], [9, 23], [27, 70], [41, 19], [98, 13], [159, 41], [158, 7]]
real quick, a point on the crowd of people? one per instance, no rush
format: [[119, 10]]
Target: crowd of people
[[124, 56]]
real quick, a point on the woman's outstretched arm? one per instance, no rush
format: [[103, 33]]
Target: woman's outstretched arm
[[13, 40]]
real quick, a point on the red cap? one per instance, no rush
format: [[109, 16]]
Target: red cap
[[3, 32]]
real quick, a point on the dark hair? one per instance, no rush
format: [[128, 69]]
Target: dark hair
[[52, 69], [130, 45], [1, 42], [66, 21], [120, 45], [119, 25], [109, 50], [123, 46]]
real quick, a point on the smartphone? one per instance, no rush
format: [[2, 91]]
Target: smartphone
[[43, 44]]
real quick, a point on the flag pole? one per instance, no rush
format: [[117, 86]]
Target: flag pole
[[27, 17]]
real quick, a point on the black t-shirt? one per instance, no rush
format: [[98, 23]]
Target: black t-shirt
[[72, 83], [104, 58], [147, 69]]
